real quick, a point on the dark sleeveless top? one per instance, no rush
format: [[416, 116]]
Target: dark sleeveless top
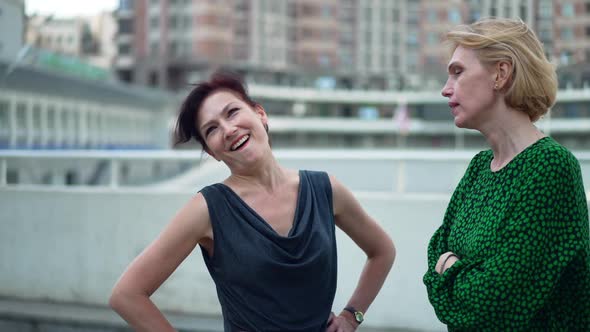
[[268, 282]]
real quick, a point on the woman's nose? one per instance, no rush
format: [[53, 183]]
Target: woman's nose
[[229, 130], [447, 91]]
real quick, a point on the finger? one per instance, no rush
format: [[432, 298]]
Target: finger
[[331, 318], [440, 261], [332, 328]]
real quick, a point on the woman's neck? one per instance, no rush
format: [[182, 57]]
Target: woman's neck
[[268, 175], [510, 136]]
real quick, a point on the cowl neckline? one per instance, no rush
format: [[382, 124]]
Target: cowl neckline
[[294, 223]]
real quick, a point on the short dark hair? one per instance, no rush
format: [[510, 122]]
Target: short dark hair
[[186, 124]]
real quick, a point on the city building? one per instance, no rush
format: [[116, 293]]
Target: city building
[[90, 39], [103, 28], [12, 28], [63, 36], [352, 44]]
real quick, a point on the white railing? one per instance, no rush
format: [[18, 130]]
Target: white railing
[[375, 97], [9, 159], [33, 120], [374, 171]]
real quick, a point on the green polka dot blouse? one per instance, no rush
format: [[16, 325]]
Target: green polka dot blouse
[[522, 237]]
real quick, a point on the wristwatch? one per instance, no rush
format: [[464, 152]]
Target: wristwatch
[[359, 317]]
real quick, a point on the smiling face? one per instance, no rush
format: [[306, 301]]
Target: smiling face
[[233, 130], [470, 89]]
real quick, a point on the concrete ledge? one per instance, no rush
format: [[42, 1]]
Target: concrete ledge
[[18, 315]]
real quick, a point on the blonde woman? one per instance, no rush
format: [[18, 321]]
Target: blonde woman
[[513, 251]]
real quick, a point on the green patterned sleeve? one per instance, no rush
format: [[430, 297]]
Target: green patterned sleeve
[[438, 243], [541, 235]]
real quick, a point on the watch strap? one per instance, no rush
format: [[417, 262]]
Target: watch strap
[[358, 315]]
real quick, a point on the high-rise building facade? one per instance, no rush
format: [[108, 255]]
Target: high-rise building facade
[[126, 50], [373, 44], [572, 26], [12, 28]]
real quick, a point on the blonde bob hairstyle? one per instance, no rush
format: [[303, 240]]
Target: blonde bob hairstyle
[[532, 85]]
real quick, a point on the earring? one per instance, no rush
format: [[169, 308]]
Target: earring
[[496, 87]]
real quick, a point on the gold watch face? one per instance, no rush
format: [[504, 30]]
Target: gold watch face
[[359, 316]]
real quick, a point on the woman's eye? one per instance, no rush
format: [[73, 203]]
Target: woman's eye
[[209, 131], [457, 71], [232, 111]]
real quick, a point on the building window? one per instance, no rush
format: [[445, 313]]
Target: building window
[[474, 15], [523, 12], [454, 16], [324, 60], [154, 49], [173, 47], [587, 6], [432, 38], [567, 33], [154, 22], [368, 14], [395, 61], [507, 11], [172, 22], [307, 10], [368, 37], [412, 62], [326, 11], [545, 34], [432, 16], [567, 10], [124, 49], [346, 59], [546, 9], [587, 31], [125, 26], [432, 60], [276, 7], [565, 57], [125, 4], [412, 38]]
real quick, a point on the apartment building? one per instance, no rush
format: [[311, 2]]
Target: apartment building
[[12, 13], [373, 44], [124, 41], [64, 36]]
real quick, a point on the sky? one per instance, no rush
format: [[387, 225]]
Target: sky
[[69, 8]]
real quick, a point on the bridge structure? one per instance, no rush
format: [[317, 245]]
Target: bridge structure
[[44, 110]]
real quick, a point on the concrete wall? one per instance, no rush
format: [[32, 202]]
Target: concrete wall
[[72, 245]]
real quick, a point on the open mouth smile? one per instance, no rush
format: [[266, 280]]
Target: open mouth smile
[[240, 142]]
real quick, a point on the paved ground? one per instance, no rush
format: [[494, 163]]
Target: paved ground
[[34, 316]]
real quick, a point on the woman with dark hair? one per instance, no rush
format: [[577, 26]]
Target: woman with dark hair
[[267, 233]]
